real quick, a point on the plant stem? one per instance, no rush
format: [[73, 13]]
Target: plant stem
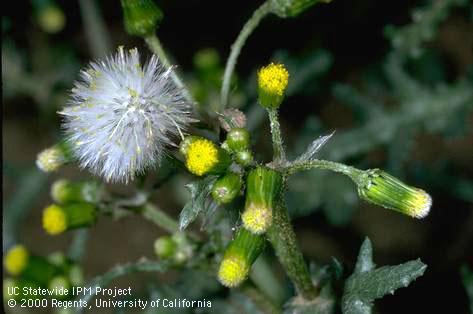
[[95, 28], [353, 173], [278, 147], [154, 44], [245, 32], [160, 218], [282, 237]]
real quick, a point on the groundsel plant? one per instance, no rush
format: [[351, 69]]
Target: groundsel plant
[[124, 116]]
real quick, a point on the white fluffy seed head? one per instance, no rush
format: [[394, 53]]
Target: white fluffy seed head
[[122, 115]]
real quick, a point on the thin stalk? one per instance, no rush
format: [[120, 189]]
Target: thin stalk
[[263, 277], [245, 32], [278, 147], [283, 239], [160, 218], [95, 28], [155, 46], [353, 173]]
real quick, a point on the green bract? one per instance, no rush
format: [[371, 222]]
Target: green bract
[[263, 186]]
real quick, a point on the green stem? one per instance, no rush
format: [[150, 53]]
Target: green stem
[[263, 277], [353, 173], [160, 218], [282, 237], [95, 28], [278, 147], [245, 32], [154, 44]]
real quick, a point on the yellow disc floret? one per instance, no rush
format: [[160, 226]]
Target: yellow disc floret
[[202, 156], [273, 79], [16, 259], [54, 220], [233, 270], [257, 219]]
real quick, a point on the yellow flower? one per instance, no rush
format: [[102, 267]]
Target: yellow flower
[[257, 219], [272, 83], [202, 156], [16, 260], [233, 270], [54, 220]]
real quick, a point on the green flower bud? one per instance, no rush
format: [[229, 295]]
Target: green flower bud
[[58, 259], [380, 188], [141, 17], [238, 258], [207, 59], [164, 247], [204, 157], [263, 186], [64, 191], [292, 8], [57, 219], [59, 285], [226, 188], [238, 139], [184, 248], [244, 157], [51, 19]]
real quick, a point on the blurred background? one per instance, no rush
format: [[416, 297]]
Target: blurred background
[[398, 94]]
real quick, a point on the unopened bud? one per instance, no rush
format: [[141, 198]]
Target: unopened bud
[[380, 188]]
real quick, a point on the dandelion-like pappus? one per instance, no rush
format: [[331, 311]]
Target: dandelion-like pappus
[[122, 115]]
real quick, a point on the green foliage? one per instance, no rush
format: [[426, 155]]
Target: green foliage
[[368, 283], [200, 201]]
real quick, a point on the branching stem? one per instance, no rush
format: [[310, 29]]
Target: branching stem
[[245, 32]]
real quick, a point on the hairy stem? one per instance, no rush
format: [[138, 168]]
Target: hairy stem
[[278, 147], [353, 173], [245, 32], [159, 217], [283, 239], [155, 46]]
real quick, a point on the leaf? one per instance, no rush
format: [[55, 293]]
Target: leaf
[[314, 147], [199, 202], [368, 283]]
